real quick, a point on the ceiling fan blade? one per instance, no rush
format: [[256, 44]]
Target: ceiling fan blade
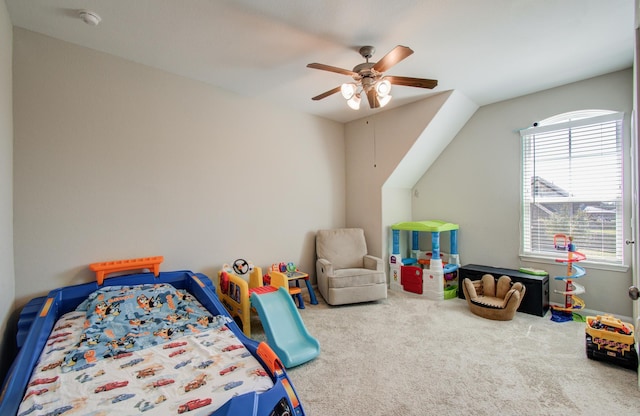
[[372, 97], [396, 55], [331, 69], [412, 82], [326, 94]]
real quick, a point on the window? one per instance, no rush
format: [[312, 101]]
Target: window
[[572, 185]]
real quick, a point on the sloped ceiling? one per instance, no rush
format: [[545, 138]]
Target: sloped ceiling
[[489, 50]]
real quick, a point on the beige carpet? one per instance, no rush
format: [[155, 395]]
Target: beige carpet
[[408, 355]]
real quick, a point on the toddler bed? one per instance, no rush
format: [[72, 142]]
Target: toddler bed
[[143, 344]]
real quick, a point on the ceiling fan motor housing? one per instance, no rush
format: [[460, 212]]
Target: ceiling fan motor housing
[[367, 52]]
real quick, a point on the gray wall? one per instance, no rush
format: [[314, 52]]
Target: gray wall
[[114, 160], [7, 283], [476, 183]]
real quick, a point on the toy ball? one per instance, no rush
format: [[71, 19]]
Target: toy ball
[[291, 267]]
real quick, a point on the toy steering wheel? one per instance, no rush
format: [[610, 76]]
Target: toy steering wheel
[[240, 266]]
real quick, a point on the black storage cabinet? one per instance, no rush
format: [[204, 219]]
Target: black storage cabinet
[[536, 297]]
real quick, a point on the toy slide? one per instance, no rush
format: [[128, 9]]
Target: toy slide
[[286, 333]]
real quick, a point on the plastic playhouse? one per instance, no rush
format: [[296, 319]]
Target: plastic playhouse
[[572, 303], [425, 272]]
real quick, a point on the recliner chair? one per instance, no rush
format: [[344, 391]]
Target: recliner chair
[[346, 272]]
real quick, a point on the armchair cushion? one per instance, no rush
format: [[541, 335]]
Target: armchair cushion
[[344, 248], [345, 272]]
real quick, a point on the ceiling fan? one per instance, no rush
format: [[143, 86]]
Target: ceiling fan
[[370, 79]]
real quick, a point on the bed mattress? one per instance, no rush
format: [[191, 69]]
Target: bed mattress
[[148, 349]]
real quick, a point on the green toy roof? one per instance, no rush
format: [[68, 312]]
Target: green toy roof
[[426, 226]]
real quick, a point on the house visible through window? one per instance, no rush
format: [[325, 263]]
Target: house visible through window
[[572, 185]]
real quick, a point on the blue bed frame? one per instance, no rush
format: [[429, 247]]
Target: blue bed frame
[[280, 400]]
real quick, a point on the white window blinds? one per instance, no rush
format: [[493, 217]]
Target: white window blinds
[[572, 185]]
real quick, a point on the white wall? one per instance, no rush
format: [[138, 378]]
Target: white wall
[[391, 150], [375, 146], [118, 160], [7, 285], [476, 181]]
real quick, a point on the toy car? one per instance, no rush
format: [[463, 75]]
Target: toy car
[[51, 366], [111, 386], [233, 384], [204, 364], [149, 371], [228, 370], [122, 355], [196, 383], [174, 344], [193, 404], [59, 411], [231, 348], [609, 339], [132, 362], [36, 406], [35, 393], [177, 352], [160, 383], [122, 397], [182, 364], [39, 381]]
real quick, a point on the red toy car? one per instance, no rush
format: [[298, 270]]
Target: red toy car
[[228, 370], [174, 344], [177, 352], [35, 393], [232, 347], [111, 386], [193, 404], [43, 381]]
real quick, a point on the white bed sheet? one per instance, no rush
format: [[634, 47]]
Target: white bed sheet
[[194, 374]]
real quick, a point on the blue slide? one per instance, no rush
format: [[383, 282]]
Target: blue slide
[[286, 334]]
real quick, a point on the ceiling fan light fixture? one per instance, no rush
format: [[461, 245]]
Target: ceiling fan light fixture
[[348, 90], [354, 102], [384, 100], [383, 88]]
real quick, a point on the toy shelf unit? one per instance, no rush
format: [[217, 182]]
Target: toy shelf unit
[[424, 272]]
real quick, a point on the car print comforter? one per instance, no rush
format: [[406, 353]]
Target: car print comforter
[[166, 356]]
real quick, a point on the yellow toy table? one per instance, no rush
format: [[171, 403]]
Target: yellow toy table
[[295, 277]]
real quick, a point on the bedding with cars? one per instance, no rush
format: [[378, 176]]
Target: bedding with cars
[[144, 349]]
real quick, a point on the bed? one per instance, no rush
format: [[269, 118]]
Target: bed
[[142, 344]]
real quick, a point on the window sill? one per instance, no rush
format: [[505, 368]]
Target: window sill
[[586, 263]]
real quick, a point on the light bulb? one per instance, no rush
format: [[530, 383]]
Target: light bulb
[[384, 100], [383, 88], [348, 90], [354, 102]]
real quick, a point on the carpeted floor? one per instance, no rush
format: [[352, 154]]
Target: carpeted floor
[[408, 355]]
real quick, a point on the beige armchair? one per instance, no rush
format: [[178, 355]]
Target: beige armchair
[[346, 272]]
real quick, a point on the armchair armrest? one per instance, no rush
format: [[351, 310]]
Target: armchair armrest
[[373, 263], [325, 267]]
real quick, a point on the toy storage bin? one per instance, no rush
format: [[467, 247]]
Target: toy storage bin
[[451, 292]]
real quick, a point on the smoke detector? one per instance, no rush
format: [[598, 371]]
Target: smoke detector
[[89, 17]]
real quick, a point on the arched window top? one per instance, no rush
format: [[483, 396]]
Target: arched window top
[[573, 115]]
